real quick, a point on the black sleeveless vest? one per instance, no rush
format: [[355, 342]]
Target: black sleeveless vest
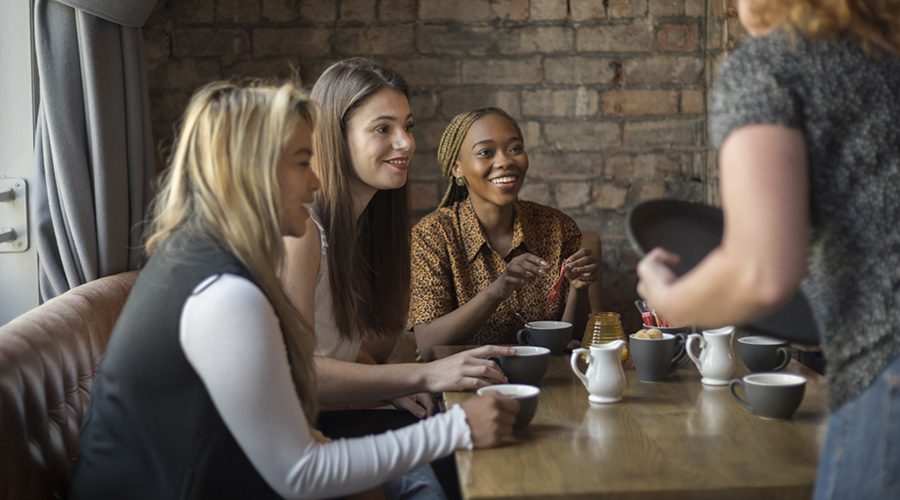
[[151, 431]]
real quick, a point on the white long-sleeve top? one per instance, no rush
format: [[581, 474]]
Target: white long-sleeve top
[[231, 336]]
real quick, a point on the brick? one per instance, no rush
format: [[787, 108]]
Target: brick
[[357, 11], [580, 70], [680, 37], [663, 134], [168, 107], [237, 11], [423, 167], [586, 10], [428, 133], [510, 10], [397, 11], [531, 39], [290, 41], [230, 44], [426, 71], [572, 194], [281, 68], [692, 102], [715, 35], [567, 102], [696, 8], [317, 11], [667, 8], [458, 10], [538, 192], [157, 44], [424, 195], [194, 12], [532, 132], [502, 71], [474, 41], [423, 104], [627, 8], [549, 10], [555, 165], [642, 166], [640, 102], [183, 74], [280, 11], [581, 135], [609, 196], [457, 100], [380, 40], [663, 70], [644, 191], [633, 37]]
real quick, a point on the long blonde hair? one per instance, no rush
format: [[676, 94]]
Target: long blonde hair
[[369, 258], [222, 185], [828, 18]]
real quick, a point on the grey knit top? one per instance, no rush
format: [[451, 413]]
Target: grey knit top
[[847, 104]]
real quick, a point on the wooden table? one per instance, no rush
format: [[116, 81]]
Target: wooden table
[[675, 439]]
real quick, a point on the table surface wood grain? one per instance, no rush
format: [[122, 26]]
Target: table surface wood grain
[[673, 439]]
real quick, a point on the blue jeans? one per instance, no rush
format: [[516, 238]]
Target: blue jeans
[[417, 484], [861, 456]]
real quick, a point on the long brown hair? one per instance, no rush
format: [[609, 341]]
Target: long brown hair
[[222, 185], [368, 259], [816, 18]]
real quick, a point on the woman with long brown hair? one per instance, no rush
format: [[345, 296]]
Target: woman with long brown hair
[[207, 388], [806, 118]]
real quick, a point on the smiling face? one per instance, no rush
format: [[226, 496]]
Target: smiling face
[[493, 161], [297, 179], [380, 141]]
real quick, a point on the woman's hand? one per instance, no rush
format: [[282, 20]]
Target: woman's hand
[[490, 418], [581, 268], [421, 405], [655, 275], [467, 370], [520, 271]]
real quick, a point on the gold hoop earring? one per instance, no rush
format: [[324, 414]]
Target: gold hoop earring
[[460, 181]]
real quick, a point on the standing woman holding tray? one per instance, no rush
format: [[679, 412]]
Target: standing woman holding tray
[[806, 117], [207, 388], [484, 255]]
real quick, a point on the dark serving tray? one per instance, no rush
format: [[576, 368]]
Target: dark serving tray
[[692, 230]]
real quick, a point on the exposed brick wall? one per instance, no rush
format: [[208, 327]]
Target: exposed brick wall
[[611, 95]]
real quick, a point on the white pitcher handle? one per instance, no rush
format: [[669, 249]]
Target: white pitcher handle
[[573, 360], [689, 347]]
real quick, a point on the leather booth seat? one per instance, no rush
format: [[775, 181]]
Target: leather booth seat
[[48, 359]]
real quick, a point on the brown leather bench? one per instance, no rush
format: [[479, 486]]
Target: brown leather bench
[[48, 358]]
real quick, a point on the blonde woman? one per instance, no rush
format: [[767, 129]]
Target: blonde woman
[[806, 117], [207, 387], [350, 272], [484, 255]]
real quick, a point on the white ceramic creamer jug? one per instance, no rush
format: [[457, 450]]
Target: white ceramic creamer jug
[[605, 379], [716, 361]]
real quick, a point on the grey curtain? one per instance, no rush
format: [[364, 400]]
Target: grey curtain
[[93, 144]]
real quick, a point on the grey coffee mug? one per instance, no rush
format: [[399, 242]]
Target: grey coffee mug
[[526, 395], [527, 366], [771, 395], [764, 354], [656, 359], [554, 335]]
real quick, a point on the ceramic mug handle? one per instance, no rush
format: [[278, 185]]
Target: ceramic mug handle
[[688, 346], [523, 336], [783, 351], [740, 382], [679, 360]]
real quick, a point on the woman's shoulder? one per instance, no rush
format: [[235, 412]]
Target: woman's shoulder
[[444, 217], [543, 214]]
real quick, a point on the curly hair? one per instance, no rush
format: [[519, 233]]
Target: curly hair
[[828, 18]]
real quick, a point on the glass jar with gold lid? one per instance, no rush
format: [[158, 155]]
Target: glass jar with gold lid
[[603, 327]]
